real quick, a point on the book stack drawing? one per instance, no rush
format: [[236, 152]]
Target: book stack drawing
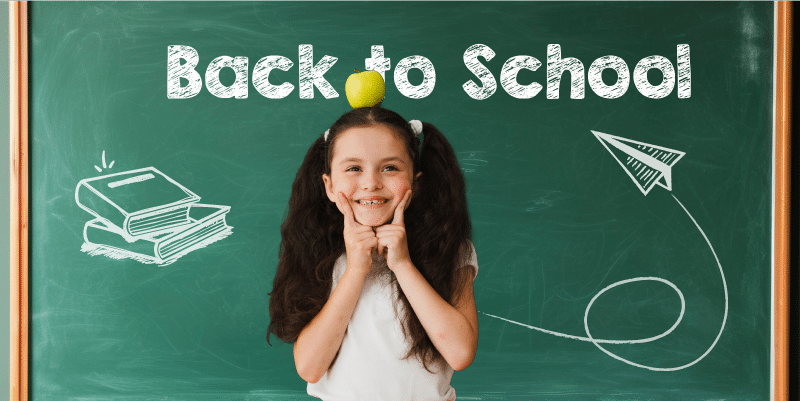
[[146, 216]]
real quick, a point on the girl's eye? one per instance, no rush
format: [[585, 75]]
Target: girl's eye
[[390, 168], [353, 168]]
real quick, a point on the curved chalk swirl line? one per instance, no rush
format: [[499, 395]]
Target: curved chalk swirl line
[[597, 342]]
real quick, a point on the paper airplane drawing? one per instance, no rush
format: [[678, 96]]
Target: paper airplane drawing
[[646, 164]]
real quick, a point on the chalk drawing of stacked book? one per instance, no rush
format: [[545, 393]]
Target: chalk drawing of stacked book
[[146, 216]]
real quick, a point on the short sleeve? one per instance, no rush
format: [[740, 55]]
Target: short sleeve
[[472, 259], [338, 270]]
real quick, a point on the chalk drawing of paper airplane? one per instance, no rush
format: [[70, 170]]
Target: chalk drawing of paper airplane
[[146, 216], [646, 164]]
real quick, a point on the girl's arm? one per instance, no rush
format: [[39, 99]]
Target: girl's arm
[[319, 341], [452, 329]]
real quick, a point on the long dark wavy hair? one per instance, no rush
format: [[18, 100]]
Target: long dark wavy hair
[[437, 230]]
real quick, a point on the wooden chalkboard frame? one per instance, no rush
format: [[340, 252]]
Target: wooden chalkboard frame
[[19, 192], [18, 100]]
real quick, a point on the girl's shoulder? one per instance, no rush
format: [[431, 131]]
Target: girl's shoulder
[[470, 257]]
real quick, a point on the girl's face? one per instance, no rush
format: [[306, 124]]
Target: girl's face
[[371, 167]]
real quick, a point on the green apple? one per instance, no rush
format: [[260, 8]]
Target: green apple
[[364, 89]]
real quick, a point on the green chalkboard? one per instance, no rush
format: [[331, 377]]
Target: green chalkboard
[[623, 234]]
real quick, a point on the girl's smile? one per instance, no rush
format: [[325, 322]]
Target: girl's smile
[[371, 167], [372, 201]]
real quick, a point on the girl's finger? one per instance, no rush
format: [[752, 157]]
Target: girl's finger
[[347, 211], [384, 243], [401, 207], [358, 235], [389, 228], [363, 230], [373, 243]]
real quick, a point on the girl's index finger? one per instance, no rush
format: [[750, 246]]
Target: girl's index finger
[[401, 208], [347, 211]]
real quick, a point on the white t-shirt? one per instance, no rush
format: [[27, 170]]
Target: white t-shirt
[[371, 363]]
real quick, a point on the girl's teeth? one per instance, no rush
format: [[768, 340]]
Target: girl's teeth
[[374, 202]]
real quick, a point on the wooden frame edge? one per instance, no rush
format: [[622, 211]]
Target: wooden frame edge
[[18, 100], [782, 191], [18, 68]]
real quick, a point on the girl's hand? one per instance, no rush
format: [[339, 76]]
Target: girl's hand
[[359, 240], [392, 237]]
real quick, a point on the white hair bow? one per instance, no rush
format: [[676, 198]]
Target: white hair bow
[[416, 126]]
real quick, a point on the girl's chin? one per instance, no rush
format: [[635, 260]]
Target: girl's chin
[[372, 221]]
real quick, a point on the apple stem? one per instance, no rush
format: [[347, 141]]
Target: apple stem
[[356, 70]]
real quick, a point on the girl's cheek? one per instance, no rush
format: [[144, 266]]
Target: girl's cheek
[[348, 188], [398, 188]]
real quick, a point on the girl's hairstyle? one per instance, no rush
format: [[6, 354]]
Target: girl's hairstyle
[[437, 226]]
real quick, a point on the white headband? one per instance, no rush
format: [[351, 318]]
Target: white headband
[[416, 127]]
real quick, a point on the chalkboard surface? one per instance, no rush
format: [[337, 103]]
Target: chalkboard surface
[[623, 240]]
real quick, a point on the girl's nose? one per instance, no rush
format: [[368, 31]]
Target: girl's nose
[[371, 181]]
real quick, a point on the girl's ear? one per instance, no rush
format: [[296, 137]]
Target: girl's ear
[[326, 179], [415, 185]]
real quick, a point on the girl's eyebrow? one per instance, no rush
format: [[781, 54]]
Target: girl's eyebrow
[[392, 159], [384, 160]]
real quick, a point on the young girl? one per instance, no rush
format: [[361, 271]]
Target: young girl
[[374, 279]]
